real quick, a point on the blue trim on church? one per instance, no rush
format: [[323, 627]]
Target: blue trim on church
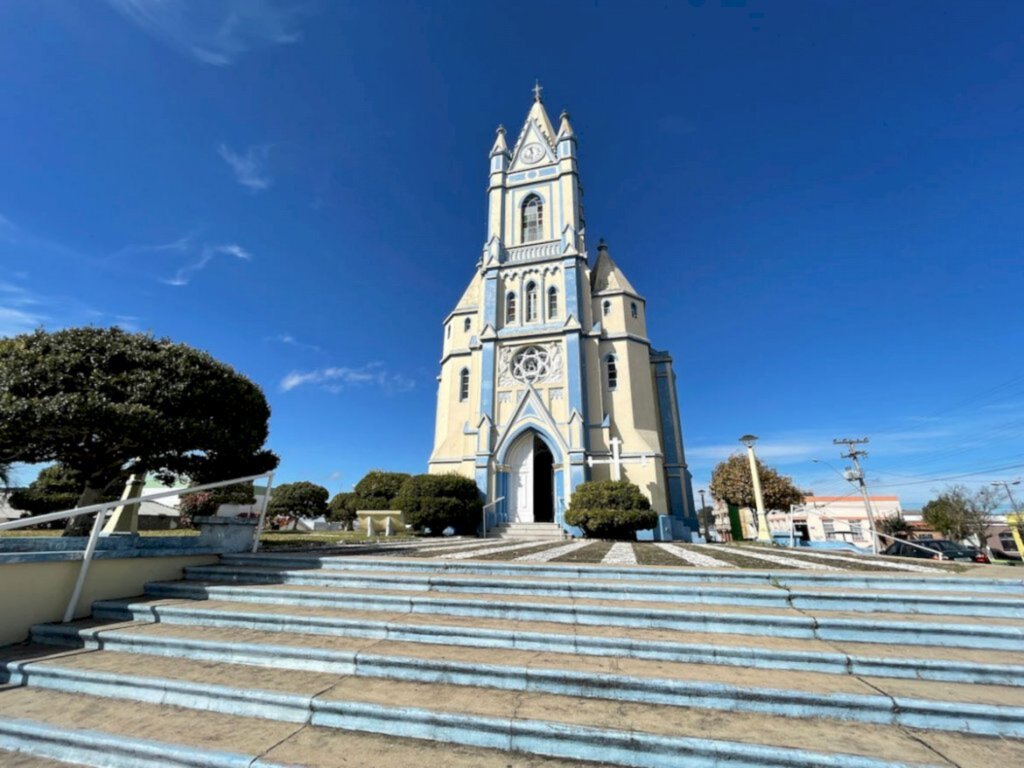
[[677, 477]]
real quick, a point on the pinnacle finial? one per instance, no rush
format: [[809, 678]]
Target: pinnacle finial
[[537, 89], [602, 245], [501, 129]]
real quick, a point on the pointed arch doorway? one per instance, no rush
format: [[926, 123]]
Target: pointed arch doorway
[[531, 468]]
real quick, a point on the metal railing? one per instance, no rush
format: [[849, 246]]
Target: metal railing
[[929, 550], [101, 509]]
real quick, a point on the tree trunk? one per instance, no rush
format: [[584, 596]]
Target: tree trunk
[[81, 525]]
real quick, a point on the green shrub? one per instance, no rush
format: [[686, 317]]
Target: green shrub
[[610, 509], [439, 501], [378, 484]]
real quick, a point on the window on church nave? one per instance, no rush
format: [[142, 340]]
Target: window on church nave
[[464, 385], [632, 309], [510, 308], [533, 218], [552, 301], [606, 308], [468, 322], [531, 302], [612, 371]]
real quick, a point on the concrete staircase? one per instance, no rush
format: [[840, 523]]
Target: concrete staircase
[[528, 531], [272, 660]]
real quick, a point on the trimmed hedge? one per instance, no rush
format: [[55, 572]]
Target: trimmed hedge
[[610, 509], [436, 502]]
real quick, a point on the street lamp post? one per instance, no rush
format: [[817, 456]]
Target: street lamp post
[[762, 518], [707, 525]]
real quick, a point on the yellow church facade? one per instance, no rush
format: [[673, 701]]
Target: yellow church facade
[[548, 378]]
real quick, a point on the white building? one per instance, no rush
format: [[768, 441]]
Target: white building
[[834, 518]]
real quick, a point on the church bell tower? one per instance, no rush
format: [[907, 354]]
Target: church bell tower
[[547, 376]]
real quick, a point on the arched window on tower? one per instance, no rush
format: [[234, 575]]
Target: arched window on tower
[[464, 385], [632, 309], [611, 372], [606, 308], [510, 307], [531, 302], [468, 323], [533, 218], [552, 302]]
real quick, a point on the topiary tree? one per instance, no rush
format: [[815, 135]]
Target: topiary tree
[[610, 509], [302, 499], [378, 489], [343, 507], [104, 402], [436, 502]]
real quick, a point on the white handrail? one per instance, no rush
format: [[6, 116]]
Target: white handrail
[[90, 547], [912, 544]]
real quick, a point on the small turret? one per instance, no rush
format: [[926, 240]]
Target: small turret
[[500, 146]]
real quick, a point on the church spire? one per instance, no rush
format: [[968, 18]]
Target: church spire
[[500, 146], [565, 129]]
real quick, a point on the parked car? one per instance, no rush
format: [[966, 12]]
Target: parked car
[[948, 550], [980, 556]]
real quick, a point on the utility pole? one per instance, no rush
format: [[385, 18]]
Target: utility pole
[[858, 474]]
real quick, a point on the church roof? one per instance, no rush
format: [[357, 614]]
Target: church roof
[[606, 275], [471, 296]]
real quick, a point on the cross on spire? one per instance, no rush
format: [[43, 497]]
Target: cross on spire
[[537, 88]]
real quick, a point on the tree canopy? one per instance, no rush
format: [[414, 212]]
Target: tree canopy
[[731, 482], [958, 513], [58, 487], [104, 402], [343, 507], [301, 499], [378, 489]]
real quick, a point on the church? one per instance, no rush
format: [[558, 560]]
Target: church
[[548, 378]]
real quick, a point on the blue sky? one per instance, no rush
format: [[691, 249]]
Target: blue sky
[[821, 202]]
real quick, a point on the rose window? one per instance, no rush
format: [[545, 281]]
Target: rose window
[[530, 364]]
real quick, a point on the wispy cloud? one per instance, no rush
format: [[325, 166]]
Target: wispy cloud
[[336, 379], [291, 341], [205, 255], [19, 310], [216, 32], [250, 169]]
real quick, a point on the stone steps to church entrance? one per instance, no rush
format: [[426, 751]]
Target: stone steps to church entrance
[[889, 581], [530, 531], [637, 734], [924, 704], [878, 599], [535, 665], [995, 634]]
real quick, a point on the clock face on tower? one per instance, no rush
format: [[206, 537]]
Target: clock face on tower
[[532, 153]]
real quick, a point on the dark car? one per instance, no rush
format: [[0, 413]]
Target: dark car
[[932, 549]]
